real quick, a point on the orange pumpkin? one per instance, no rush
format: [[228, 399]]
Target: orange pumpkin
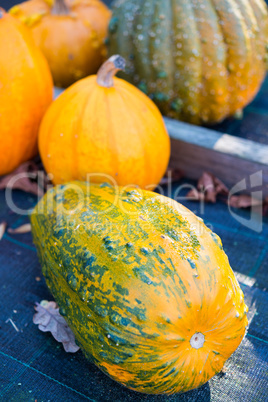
[[104, 125], [26, 90], [70, 34]]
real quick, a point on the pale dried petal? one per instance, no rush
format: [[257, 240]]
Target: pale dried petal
[[49, 319]]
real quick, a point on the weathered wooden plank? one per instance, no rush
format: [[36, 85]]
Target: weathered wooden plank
[[232, 159], [214, 140]]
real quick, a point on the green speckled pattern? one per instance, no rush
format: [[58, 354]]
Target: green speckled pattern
[[137, 276]]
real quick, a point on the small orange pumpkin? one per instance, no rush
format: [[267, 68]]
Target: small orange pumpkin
[[70, 34], [26, 90], [104, 125]]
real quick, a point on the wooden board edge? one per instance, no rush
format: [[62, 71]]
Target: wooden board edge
[[216, 141]]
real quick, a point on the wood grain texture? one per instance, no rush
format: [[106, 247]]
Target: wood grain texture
[[196, 149]]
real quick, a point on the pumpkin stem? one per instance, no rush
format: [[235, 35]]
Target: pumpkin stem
[[60, 8], [108, 70]]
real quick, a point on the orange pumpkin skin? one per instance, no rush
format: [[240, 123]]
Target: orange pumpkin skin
[[116, 131], [26, 90], [73, 42]]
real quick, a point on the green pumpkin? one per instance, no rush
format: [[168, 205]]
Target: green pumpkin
[[145, 286], [199, 60]]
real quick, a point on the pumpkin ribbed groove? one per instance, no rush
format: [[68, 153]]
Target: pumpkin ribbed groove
[[144, 51], [114, 131], [224, 73], [138, 121], [187, 40], [37, 77], [70, 34], [200, 61], [111, 142], [47, 144], [213, 60], [161, 57], [76, 163], [240, 64]]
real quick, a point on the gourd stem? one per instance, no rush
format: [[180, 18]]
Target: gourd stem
[[60, 8], [108, 70]]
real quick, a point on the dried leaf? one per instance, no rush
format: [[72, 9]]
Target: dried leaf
[[26, 228], [195, 195], [208, 188], [3, 226], [49, 319], [220, 187], [23, 179], [171, 175], [243, 201]]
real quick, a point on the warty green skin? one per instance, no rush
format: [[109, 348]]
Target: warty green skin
[[113, 270], [199, 60]]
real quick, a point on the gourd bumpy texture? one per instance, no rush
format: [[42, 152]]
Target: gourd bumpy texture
[[199, 60], [138, 276]]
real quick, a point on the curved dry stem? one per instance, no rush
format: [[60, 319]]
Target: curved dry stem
[[108, 70]]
